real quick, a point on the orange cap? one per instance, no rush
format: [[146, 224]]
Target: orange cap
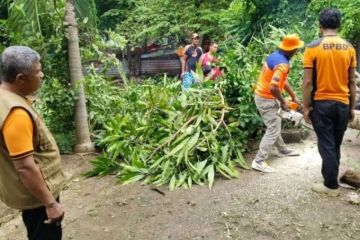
[[291, 42]]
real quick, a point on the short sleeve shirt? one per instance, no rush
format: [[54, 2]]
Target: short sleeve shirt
[[18, 133], [275, 72], [330, 58]]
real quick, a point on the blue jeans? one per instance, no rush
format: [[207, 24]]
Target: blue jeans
[[187, 80]]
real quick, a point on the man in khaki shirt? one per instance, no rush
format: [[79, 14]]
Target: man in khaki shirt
[[31, 177]]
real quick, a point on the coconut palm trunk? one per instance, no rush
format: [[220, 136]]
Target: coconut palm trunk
[[83, 141]]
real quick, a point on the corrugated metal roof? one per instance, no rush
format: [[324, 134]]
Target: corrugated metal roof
[[160, 54], [160, 62]]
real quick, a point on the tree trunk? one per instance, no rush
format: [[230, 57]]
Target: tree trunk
[[83, 141]]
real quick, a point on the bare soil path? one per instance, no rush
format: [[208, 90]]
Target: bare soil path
[[255, 206]]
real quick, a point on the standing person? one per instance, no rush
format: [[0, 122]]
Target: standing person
[[329, 95], [268, 99], [192, 54], [207, 60], [31, 176]]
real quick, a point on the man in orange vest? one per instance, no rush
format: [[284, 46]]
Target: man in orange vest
[[268, 99], [329, 95]]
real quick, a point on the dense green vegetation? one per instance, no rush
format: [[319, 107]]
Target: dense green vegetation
[[147, 137]]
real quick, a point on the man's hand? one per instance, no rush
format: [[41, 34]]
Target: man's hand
[[306, 112], [351, 115], [285, 106], [54, 212], [31, 177], [296, 100], [275, 91]]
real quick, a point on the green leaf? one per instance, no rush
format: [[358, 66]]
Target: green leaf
[[137, 162], [177, 148], [230, 172], [130, 168], [167, 170], [181, 180], [193, 140], [131, 178], [241, 160], [225, 153], [200, 166], [189, 181], [211, 176], [180, 157], [172, 183], [203, 149]]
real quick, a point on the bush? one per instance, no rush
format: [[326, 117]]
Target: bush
[[56, 104], [102, 99]]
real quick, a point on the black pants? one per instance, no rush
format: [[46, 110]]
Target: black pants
[[37, 229], [330, 119]]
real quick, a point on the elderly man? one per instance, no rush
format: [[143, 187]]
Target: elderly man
[[31, 177], [268, 99], [329, 95]]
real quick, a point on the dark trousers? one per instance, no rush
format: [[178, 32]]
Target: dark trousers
[[330, 119], [37, 229]]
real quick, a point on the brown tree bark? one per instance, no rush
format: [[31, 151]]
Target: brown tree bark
[[83, 141]]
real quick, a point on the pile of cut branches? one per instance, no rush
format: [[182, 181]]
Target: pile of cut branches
[[164, 135]]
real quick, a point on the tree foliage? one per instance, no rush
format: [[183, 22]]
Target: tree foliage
[[350, 16], [40, 25], [112, 12], [152, 19]]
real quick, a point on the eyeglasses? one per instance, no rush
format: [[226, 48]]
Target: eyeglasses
[[197, 38]]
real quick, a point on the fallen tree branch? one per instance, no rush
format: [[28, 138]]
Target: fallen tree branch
[[172, 137], [222, 111]]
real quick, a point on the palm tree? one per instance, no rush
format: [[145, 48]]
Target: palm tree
[[83, 141], [83, 8]]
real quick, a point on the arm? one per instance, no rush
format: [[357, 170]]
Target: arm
[[352, 88], [306, 92], [201, 59], [275, 91], [183, 60], [280, 74], [289, 90], [31, 177]]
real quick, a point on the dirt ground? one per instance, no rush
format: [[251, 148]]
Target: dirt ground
[[256, 206]]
